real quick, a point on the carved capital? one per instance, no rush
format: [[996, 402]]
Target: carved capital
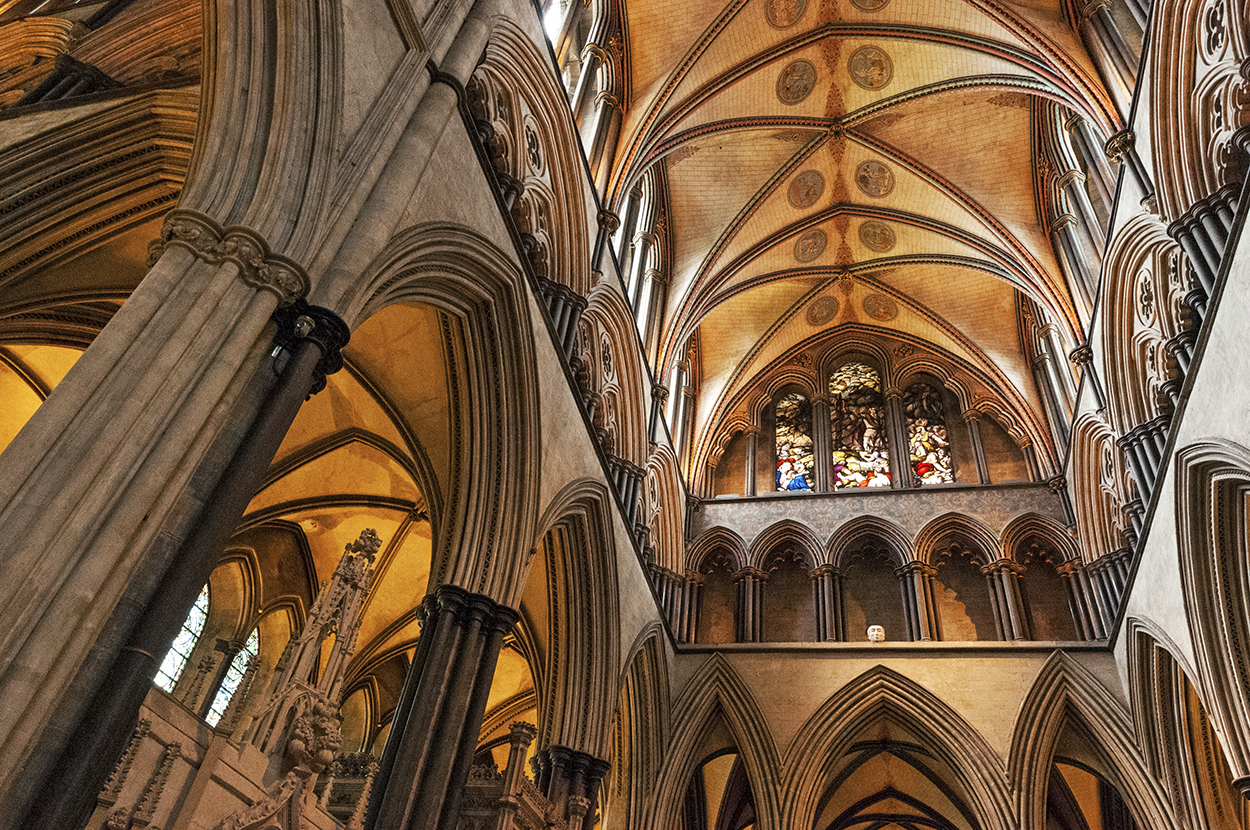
[[608, 221], [210, 242], [1081, 356], [1119, 145], [1057, 485]]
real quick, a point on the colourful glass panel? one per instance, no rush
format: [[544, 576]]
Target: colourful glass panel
[[234, 677], [176, 658], [861, 454], [927, 448], [794, 443]]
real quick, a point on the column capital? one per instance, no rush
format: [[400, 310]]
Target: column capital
[[211, 242], [1081, 356], [999, 566], [1062, 222], [821, 571], [892, 392], [1069, 568], [608, 221], [660, 393], [1057, 484], [972, 415], [1073, 121], [1073, 175], [916, 567], [749, 573], [300, 321], [751, 430], [1119, 145]]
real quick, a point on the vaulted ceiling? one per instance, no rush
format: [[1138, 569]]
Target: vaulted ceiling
[[871, 163]]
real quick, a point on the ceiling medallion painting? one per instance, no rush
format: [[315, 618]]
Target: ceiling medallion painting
[[796, 81], [810, 245], [877, 236], [871, 67], [870, 5], [880, 307], [874, 178], [822, 310], [782, 14], [806, 188]]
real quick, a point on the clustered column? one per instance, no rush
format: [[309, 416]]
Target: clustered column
[[916, 579], [434, 732], [827, 591], [749, 619], [973, 419], [752, 435], [1143, 449], [570, 780], [822, 438], [1089, 617], [1202, 232], [1003, 579], [901, 475]]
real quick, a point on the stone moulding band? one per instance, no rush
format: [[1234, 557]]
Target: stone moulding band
[[210, 242]]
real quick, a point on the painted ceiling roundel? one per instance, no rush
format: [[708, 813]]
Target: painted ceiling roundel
[[892, 141]]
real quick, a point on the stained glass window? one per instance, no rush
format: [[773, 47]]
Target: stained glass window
[[794, 442], [176, 659], [234, 677], [927, 449], [861, 454]]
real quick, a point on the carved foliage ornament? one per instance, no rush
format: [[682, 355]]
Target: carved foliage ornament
[[245, 248]]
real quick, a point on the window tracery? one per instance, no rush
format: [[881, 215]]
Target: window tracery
[[234, 678]]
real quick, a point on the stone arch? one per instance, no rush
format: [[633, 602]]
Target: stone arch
[[717, 692], [1212, 478], [1096, 473], [787, 531], [494, 447], [1035, 529], [718, 539], [1065, 693], [878, 694], [618, 370], [966, 532], [642, 723], [517, 67], [665, 509], [864, 528], [580, 591]]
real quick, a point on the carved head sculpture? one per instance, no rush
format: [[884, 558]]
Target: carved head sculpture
[[876, 634]]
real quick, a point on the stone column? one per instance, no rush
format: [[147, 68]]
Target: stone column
[[1047, 383], [229, 650], [973, 419], [521, 735], [917, 581], [1118, 48], [1003, 577], [315, 336], [1070, 254], [822, 440], [1072, 184], [568, 776], [643, 241], [687, 629], [1030, 459], [752, 435], [901, 475], [426, 762], [603, 143], [1121, 148], [659, 397], [1082, 357], [647, 313], [1084, 613], [1090, 146], [827, 590], [1062, 374], [593, 57], [749, 619], [1059, 486]]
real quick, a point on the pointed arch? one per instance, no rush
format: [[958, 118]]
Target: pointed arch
[[1096, 472], [665, 508], [492, 385], [792, 532], [883, 693], [1064, 694], [1033, 529], [1212, 480], [579, 682], [864, 528], [716, 691], [718, 539], [619, 370], [640, 729], [966, 532]]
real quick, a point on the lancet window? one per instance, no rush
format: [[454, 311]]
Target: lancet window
[[234, 678], [795, 460], [176, 659], [861, 455], [928, 447]]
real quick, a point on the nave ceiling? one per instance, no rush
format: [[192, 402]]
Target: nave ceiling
[[850, 163]]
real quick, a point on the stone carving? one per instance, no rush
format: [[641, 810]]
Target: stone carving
[[782, 14], [533, 148], [796, 81], [210, 242], [822, 310], [874, 178], [876, 236], [870, 5], [876, 634], [113, 787], [810, 245], [880, 307], [806, 188], [870, 67]]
